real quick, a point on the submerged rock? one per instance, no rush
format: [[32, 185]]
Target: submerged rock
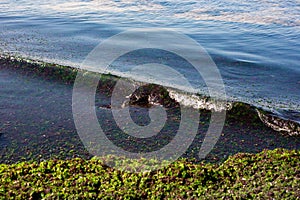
[[152, 94]]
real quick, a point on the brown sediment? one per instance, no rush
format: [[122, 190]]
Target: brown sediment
[[36, 118]]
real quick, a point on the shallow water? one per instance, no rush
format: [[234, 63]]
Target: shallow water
[[37, 124], [254, 44]]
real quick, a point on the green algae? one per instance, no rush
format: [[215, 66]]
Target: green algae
[[271, 174]]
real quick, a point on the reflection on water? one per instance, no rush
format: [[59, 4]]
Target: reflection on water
[[284, 12]]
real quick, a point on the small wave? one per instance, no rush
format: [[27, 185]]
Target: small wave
[[278, 124], [196, 101], [236, 109], [199, 102], [271, 120]]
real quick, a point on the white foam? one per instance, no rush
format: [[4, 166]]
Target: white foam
[[197, 102]]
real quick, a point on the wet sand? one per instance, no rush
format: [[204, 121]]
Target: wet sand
[[36, 121]]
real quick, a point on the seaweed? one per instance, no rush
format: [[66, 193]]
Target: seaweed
[[271, 174]]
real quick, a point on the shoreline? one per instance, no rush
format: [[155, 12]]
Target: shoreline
[[37, 126], [67, 74]]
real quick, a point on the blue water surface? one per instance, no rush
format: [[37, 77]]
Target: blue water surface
[[255, 44]]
